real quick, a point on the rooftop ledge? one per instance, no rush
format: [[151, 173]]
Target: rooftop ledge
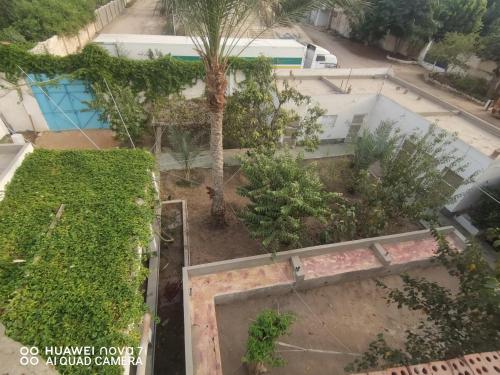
[[206, 285]]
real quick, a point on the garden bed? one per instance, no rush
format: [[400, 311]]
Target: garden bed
[[344, 317], [209, 244], [71, 228]]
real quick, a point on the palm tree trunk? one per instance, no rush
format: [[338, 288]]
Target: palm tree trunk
[[216, 95]]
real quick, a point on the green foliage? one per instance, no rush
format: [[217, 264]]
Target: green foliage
[[453, 323], [38, 20], [473, 86], [130, 110], [403, 19], [493, 235], [491, 44], [459, 16], [262, 335], [413, 179], [282, 194], [256, 115], [81, 281], [370, 147], [491, 16], [486, 213], [454, 49]]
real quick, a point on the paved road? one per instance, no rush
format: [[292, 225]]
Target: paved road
[[356, 55], [140, 18]]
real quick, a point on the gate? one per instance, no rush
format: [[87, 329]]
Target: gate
[[70, 97]]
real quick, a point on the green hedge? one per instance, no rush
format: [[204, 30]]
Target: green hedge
[[37, 20], [81, 282], [474, 86]]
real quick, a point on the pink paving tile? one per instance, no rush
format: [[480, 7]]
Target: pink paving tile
[[339, 262], [205, 338], [408, 251]]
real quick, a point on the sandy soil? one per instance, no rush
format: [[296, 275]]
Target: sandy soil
[[73, 139], [209, 244], [345, 318]]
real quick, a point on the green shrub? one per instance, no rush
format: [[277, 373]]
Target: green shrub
[[262, 335], [282, 193], [486, 213], [474, 86], [80, 282]]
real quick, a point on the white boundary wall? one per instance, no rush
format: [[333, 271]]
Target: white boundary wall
[[66, 45]]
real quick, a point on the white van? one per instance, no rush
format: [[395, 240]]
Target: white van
[[319, 58]]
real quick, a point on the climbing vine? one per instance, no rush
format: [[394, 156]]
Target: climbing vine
[[75, 278]]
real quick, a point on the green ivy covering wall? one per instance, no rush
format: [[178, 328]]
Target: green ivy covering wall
[[159, 77], [80, 283]]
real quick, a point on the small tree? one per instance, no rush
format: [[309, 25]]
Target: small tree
[[455, 49], [257, 114], [283, 193], [491, 50], [370, 147], [262, 335], [120, 105], [453, 323], [186, 149], [413, 181]]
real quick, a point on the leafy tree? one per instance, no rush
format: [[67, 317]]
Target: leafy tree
[[120, 106], [262, 335], [413, 178], [257, 115], [282, 194], [370, 147], [453, 323], [491, 16], [455, 49], [486, 214], [40, 19], [401, 18], [459, 16], [215, 26], [491, 50]]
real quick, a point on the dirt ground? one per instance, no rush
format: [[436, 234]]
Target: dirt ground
[[209, 244], [343, 318], [73, 139], [141, 17]]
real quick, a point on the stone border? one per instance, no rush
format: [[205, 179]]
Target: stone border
[[20, 152], [295, 259], [399, 61]]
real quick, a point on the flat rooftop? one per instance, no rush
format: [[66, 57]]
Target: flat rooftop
[[432, 110], [208, 285]]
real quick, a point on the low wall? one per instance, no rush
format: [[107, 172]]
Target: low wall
[[206, 285], [66, 45], [11, 158]]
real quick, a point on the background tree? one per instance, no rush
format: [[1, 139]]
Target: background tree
[[283, 193], [453, 323], [459, 16], [455, 49], [491, 16], [401, 18], [215, 26], [258, 114], [491, 50]]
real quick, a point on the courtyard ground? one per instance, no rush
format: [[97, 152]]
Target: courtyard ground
[[73, 139], [344, 318]]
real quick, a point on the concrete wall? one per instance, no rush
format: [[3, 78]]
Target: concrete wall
[[11, 158], [65, 45], [319, 17], [19, 107], [3, 129], [340, 23]]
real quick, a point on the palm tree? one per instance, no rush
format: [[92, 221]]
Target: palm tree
[[215, 27]]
